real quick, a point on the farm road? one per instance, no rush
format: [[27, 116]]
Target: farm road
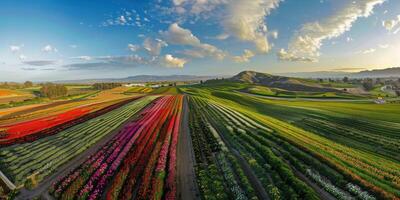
[[187, 186]]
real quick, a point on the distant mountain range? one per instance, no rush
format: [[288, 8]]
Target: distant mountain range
[[376, 73], [143, 78]]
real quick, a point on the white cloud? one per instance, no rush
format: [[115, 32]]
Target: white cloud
[[74, 46], [178, 2], [133, 47], [368, 51], [180, 36], [15, 48], [391, 24], [171, 61], [49, 49], [85, 58], [154, 46], [222, 36], [284, 55], [22, 57], [246, 21], [274, 34], [383, 46], [197, 7], [177, 35], [349, 39], [308, 40], [245, 57]]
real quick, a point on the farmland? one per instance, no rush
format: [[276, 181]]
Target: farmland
[[215, 140], [347, 146]]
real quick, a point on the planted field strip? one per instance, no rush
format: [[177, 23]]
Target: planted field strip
[[139, 162], [43, 156], [270, 156], [218, 172], [35, 129]]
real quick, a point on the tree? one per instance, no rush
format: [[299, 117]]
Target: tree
[[346, 79], [398, 93], [368, 85], [28, 84], [51, 90]]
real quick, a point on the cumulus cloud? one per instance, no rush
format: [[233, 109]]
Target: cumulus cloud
[[284, 55], [40, 62], [177, 35], [171, 61], [391, 24], [245, 21], [133, 47], [180, 36], [15, 48], [308, 40], [245, 57], [154, 46], [49, 49]]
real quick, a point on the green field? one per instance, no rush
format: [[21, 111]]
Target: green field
[[346, 143]]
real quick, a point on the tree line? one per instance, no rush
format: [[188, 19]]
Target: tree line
[[51, 90], [106, 86]]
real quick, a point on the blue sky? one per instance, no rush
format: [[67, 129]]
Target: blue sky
[[58, 40]]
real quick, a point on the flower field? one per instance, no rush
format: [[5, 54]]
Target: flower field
[[34, 129], [43, 156], [139, 162], [211, 143]]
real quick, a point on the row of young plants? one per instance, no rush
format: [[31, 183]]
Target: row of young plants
[[38, 128], [219, 175], [257, 145], [43, 156], [360, 134], [139, 162]]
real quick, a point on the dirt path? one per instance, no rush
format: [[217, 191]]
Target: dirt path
[[42, 188], [187, 186]]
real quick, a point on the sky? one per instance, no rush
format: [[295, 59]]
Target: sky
[[47, 40]]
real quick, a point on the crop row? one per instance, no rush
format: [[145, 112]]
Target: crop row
[[218, 172], [139, 162], [43, 156]]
